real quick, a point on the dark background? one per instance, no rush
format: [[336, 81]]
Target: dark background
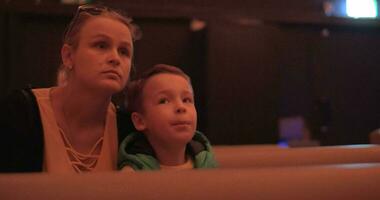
[[254, 63]]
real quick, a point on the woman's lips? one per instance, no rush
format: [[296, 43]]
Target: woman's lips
[[113, 72]]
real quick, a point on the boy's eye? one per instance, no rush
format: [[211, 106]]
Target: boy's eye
[[188, 100], [163, 101]]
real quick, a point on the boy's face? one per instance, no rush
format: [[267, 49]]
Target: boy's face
[[169, 116]]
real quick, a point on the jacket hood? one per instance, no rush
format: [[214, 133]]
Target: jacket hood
[[136, 151]]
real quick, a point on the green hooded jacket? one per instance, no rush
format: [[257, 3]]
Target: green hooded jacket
[[135, 151]]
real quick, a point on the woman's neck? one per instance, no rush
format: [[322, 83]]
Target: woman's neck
[[81, 115], [82, 107]]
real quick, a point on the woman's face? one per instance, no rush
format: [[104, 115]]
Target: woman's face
[[102, 60]]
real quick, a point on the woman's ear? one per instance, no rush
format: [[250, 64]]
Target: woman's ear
[[66, 55], [138, 121]]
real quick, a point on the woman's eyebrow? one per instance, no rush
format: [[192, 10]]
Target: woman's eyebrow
[[127, 44]]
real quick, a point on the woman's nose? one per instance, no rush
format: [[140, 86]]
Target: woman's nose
[[114, 58]]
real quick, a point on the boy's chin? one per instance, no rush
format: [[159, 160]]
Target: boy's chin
[[184, 137]]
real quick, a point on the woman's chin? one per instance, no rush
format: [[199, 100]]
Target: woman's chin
[[110, 88]]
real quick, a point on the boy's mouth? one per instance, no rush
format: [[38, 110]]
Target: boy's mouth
[[181, 123]]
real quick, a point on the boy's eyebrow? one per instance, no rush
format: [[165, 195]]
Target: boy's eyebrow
[[170, 91], [189, 92]]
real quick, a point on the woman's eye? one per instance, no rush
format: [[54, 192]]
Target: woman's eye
[[124, 51], [101, 45]]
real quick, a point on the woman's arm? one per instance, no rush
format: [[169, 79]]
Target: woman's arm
[[21, 136]]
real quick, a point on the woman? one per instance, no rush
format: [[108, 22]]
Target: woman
[[72, 127]]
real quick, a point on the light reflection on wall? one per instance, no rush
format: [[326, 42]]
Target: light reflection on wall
[[361, 8]]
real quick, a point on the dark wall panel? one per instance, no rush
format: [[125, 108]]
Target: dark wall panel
[[164, 41], [348, 74], [242, 83], [3, 52], [34, 49]]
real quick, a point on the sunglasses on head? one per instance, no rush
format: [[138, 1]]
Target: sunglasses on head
[[90, 9]]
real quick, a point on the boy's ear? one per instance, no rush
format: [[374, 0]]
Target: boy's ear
[[138, 121]]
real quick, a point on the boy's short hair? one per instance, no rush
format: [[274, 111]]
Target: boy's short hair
[[134, 89]]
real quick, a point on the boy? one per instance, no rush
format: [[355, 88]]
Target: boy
[[161, 103]]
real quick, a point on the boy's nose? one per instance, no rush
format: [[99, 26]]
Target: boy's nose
[[180, 108]]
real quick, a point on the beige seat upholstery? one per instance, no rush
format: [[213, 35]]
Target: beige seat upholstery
[[306, 183], [247, 172], [248, 156]]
